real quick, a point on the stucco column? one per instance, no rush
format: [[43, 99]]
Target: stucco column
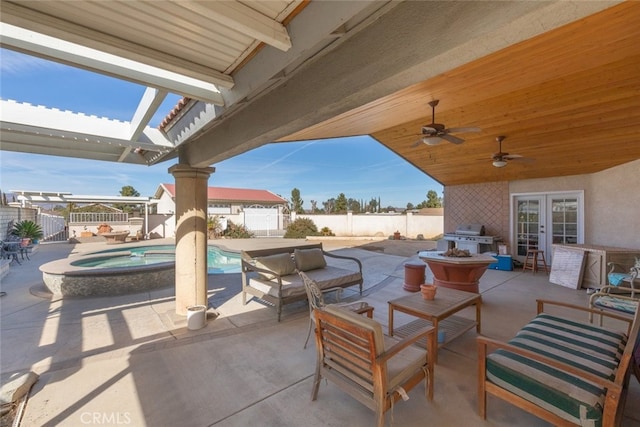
[[191, 235]]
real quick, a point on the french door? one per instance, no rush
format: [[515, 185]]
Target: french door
[[543, 219]]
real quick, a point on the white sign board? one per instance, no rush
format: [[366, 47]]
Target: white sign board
[[567, 267]]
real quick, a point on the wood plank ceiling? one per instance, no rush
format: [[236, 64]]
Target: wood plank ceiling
[[568, 101]]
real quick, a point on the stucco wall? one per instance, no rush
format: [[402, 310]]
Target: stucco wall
[[409, 225], [611, 202], [614, 208]]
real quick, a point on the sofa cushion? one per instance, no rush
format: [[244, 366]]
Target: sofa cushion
[[591, 348], [326, 278], [309, 259], [280, 264]]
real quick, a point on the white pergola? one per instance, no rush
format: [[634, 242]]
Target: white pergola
[[36, 197]]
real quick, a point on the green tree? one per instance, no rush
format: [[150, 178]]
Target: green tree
[[341, 204], [296, 201], [128, 191], [410, 206], [353, 205], [433, 201], [373, 204]]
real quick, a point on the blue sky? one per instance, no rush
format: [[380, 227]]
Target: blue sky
[[359, 167]]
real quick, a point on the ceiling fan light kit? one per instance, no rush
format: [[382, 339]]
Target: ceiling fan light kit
[[500, 158], [430, 140]]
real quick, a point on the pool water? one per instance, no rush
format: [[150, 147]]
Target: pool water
[[218, 261]]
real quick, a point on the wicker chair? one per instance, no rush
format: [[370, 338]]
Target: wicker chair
[[374, 369], [315, 295]]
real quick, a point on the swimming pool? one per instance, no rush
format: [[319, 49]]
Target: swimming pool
[[126, 270], [218, 260]]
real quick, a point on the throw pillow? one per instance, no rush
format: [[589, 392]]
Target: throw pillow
[[309, 259], [280, 264]]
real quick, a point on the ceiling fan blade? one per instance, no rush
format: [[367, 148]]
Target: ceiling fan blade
[[428, 130], [418, 142], [452, 139], [462, 130], [512, 156]]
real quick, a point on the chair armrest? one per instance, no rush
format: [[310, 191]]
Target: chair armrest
[[613, 266], [542, 302], [427, 332], [606, 290], [357, 261], [486, 345]]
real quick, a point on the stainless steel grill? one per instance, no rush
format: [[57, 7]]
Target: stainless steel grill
[[470, 237]]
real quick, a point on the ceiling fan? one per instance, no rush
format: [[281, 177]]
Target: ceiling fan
[[500, 159], [434, 133]]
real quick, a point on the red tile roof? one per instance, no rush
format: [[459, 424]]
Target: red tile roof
[[174, 112], [234, 194]]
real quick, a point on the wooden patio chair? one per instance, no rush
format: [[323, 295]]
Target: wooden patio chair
[[315, 295], [376, 370]]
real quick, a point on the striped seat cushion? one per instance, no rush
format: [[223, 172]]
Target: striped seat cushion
[[591, 348]]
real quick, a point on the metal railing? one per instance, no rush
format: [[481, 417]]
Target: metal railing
[[98, 217]]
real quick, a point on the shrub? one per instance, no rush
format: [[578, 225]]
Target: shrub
[[301, 228], [235, 231], [326, 231], [27, 230]]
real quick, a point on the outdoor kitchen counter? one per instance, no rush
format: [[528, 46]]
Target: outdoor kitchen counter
[[457, 273]]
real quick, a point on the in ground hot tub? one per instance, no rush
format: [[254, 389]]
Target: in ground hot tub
[[118, 272]]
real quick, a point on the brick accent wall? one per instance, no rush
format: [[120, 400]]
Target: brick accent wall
[[486, 204]]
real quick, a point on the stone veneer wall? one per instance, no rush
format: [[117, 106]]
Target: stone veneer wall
[[486, 204]]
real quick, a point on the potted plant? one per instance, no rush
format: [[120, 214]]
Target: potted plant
[[28, 230]]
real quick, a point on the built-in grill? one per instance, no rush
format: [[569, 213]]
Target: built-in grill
[[472, 238]]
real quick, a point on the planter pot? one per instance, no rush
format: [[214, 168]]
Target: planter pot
[[428, 291], [196, 317]]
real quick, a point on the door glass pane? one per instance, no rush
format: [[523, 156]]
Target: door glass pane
[[527, 225], [564, 219]]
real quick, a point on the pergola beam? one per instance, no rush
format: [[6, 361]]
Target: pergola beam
[[44, 46], [149, 104], [241, 18]]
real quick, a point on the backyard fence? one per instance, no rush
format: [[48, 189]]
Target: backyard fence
[[54, 227]]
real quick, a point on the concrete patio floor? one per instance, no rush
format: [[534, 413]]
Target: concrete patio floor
[[129, 360]]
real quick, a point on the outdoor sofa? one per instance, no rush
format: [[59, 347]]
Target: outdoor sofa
[[272, 274]]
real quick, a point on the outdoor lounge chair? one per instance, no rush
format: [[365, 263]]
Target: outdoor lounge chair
[[617, 296], [316, 301], [374, 369]]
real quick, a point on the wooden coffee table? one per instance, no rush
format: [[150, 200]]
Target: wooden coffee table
[[438, 312]]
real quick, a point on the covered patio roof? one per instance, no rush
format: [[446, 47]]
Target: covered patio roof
[[559, 79]]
